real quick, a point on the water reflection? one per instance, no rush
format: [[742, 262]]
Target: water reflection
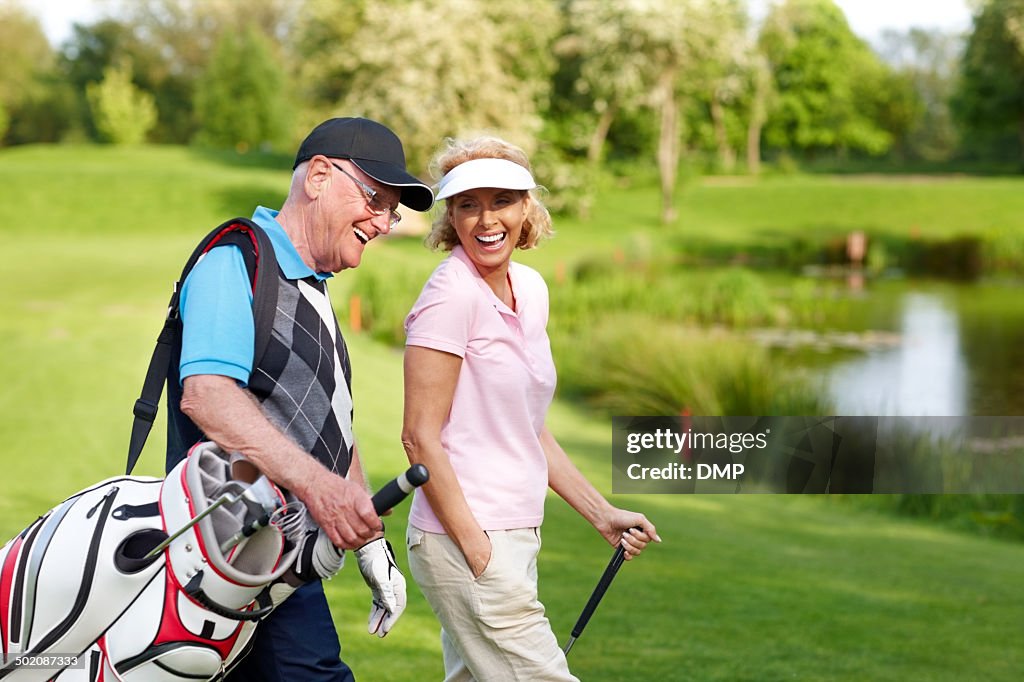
[[925, 375]]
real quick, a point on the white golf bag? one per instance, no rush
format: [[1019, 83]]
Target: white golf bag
[[144, 579]]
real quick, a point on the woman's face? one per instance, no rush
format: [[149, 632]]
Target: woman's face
[[489, 222]]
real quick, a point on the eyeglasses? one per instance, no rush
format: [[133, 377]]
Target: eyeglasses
[[373, 201]]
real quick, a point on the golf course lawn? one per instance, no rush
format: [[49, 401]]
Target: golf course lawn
[[742, 587]]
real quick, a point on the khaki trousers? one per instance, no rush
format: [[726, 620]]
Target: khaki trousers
[[493, 628]]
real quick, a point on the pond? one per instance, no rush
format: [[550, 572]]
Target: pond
[[928, 349]]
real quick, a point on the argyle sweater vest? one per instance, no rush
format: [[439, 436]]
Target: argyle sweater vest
[[304, 379]]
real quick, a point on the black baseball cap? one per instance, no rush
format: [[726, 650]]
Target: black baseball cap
[[373, 148]]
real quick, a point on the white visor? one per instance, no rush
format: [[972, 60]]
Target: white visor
[[478, 173]]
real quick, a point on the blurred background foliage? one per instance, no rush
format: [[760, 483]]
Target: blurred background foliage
[[685, 84]]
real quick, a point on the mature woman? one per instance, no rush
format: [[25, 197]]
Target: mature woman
[[478, 382]]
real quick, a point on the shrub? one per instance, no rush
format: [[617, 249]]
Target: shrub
[[386, 297], [636, 365], [123, 113]]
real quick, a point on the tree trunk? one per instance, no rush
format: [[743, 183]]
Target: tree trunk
[[1020, 135], [754, 147], [726, 154], [758, 115], [604, 123], [668, 143]]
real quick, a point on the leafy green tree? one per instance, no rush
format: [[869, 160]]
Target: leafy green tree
[[325, 69], [240, 100], [827, 81], [27, 59], [170, 44], [722, 79], [990, 99], [122, 112], [93, 48], [927, 60]]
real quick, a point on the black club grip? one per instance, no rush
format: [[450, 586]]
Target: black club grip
[[396, 490]]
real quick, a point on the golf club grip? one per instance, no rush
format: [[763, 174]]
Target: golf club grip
[[396, 490], [602, 586]]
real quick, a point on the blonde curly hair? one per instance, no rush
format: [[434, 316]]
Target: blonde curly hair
[[536, 226]]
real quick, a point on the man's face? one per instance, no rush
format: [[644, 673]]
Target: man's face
[[347, 220]]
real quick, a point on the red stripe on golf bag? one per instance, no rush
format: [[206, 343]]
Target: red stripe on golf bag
[[172, 629], [6, 580]]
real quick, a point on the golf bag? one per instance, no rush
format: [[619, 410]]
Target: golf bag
[[143, 579]]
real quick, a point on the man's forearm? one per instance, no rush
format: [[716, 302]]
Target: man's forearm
[[232, 419]]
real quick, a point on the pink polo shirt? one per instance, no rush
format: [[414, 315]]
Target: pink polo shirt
[[492, 433]]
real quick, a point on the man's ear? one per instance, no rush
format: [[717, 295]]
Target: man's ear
[[318, 177]]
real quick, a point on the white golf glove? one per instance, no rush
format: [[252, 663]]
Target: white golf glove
[[318, 558], [387, 584]]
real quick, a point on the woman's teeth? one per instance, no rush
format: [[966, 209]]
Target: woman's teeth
[[491, 239]]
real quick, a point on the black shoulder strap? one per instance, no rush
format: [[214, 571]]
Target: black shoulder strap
[[261, 264]]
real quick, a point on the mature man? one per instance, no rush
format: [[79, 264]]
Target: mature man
[[290, 415]]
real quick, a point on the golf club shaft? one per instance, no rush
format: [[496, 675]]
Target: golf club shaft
[[595, 598]]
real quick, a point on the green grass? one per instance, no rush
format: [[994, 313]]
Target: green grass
[[743, 588]]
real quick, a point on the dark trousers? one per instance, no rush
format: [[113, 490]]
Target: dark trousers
[[297, 643]]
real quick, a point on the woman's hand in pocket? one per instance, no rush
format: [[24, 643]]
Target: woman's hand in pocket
[[478, 554]]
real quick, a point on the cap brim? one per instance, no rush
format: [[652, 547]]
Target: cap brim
[[486, 172], [415, 194]]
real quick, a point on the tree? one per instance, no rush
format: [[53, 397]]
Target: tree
[[928, 60], [434, 68], [171, 42], [93, 48], [827, 81], [762, 93], [656, 54], [607, 67], [27, 59], [989, 101], [240, 100], [123, 113], [724, 75]]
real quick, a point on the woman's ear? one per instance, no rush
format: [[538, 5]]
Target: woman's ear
[[527, 201]]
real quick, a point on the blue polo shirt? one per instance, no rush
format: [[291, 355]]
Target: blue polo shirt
[[216, 305]]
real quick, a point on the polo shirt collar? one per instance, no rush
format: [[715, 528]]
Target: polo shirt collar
[[288, 257], [459, 253]]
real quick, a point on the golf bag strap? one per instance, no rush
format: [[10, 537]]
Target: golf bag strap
[[194, 589], [261, 264]]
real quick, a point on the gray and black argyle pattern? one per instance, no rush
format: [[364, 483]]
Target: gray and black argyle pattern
[[304, 379]]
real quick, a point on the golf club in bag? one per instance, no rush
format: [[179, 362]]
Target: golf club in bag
[[141, 579]]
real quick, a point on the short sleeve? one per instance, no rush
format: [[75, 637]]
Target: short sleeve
[[216, 313], [442, 317]]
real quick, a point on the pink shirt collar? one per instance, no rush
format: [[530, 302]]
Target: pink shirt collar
[[460, 254]]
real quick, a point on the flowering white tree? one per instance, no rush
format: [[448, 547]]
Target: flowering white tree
[[434, 68], [653, 53]]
